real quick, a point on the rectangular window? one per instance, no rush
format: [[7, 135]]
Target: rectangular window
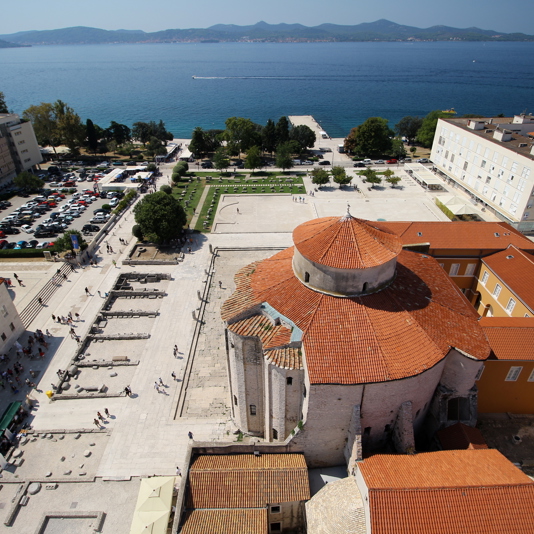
[[510, 306], [235, 400], [275, 509], [12, 326], [479, 372], [275, 433], [466, 164], [3, 336], [276, 527], [531, 377], [513, 374], [4, 311], [470, 269], [455, 267], [252, 409], [497, 290], [289, 380]]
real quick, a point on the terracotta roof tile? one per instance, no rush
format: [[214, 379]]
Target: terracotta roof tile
[[441, 469], [476, 510], [346, 243], [260, 326], [460, 436], [235, 521], [395, 333], [287, 358], [459, 235], [247, 481], [510, 338], [516, 269]]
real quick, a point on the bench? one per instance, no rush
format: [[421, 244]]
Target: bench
[[119, 359]]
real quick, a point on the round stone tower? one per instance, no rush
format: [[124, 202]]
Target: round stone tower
[[344, 257]]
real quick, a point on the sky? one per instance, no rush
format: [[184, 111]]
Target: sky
[[500, 15]]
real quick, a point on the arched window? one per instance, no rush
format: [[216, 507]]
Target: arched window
[[364, 288], [306, 277]]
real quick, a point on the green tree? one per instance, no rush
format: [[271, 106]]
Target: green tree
[[120, 133], [220, 159], [393, 180], [44, 124], [371, 139], [283, 156], [166, 189], [141, 132], [268, 137], [152, 167], [425, 134], [198, 145], [282, 131], [397, 148], [155, 147], [340, 176], [371, 177], [3, 105], [160, 216], [64, 242], [303, 135], [319, 176], [241, 134], [413, 150], [408, 127], [253, 159], [27, 181], [136, 231], [92, 138], [69, 126]]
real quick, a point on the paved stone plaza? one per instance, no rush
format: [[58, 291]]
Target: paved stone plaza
[[147, 433]]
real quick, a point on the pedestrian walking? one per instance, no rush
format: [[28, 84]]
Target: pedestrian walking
[[178, 472], [64, 276], [87, 292], [173, 375], [40, 301], [77, 315], [69, 315], [15, 275], [20, 282], [53, 319], [106, 411], [41, 353], [96, 423], [99, 294], [220, 284], [190, 435], [161, 382], [114, 263], [100, 416]]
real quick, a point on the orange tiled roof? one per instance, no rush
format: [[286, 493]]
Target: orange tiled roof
[[475, 510], [460, 436], [516, 269], [346, 243], [260, 326], [441, 469], [247, 481], [286, 358], [235, 521], [510, 338], [398, 332], [459, 235]]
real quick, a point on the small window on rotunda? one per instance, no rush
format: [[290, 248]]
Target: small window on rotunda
[[306, 277], [364, 288], [252, 409], [235, 400], [275, 433], [289, 380]]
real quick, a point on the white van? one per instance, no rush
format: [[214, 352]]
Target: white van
[[367, 161]]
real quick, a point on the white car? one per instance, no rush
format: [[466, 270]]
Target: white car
[[113, 202], [27, 228], [44, 244], [88, 198], [65, 207]]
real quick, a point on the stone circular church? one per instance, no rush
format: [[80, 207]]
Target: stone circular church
[[346, 343]]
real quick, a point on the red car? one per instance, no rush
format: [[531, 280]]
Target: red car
[[60, 195], [51, 203], [82, 202], [390, 161], [3, 243]]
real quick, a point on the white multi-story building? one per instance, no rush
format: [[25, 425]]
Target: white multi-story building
[[19, 150], [493, 160], [11, 326]]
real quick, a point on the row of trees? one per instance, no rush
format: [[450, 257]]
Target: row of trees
[[57, 124]]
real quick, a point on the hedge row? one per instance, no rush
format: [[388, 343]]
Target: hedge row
[[22, 253], [123, 204]]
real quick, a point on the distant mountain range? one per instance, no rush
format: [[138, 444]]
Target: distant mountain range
[[381, 30]]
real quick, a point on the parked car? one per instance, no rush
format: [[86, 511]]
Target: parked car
[[27, 228], [380, 162], [392, 161], [33, 243], [113, 202], [359, 164], [3, 243], [324, 162], [90, 228], [44, 244], [423, 160], [20, 245]]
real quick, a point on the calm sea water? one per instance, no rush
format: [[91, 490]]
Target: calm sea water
[[340, 84]]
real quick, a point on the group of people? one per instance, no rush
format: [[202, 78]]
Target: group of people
[[99, 417], [13, 378], [69, 320]]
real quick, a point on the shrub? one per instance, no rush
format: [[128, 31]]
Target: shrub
[[106, 207], [166, 189], [136, 231]]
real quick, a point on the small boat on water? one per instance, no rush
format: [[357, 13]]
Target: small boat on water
[[445, 110]]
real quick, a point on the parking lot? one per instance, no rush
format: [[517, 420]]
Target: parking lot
[[65, 202]]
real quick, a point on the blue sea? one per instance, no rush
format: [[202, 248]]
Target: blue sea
[[340, 84]]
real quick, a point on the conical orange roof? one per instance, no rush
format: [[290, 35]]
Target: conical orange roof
[[346, 243]]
